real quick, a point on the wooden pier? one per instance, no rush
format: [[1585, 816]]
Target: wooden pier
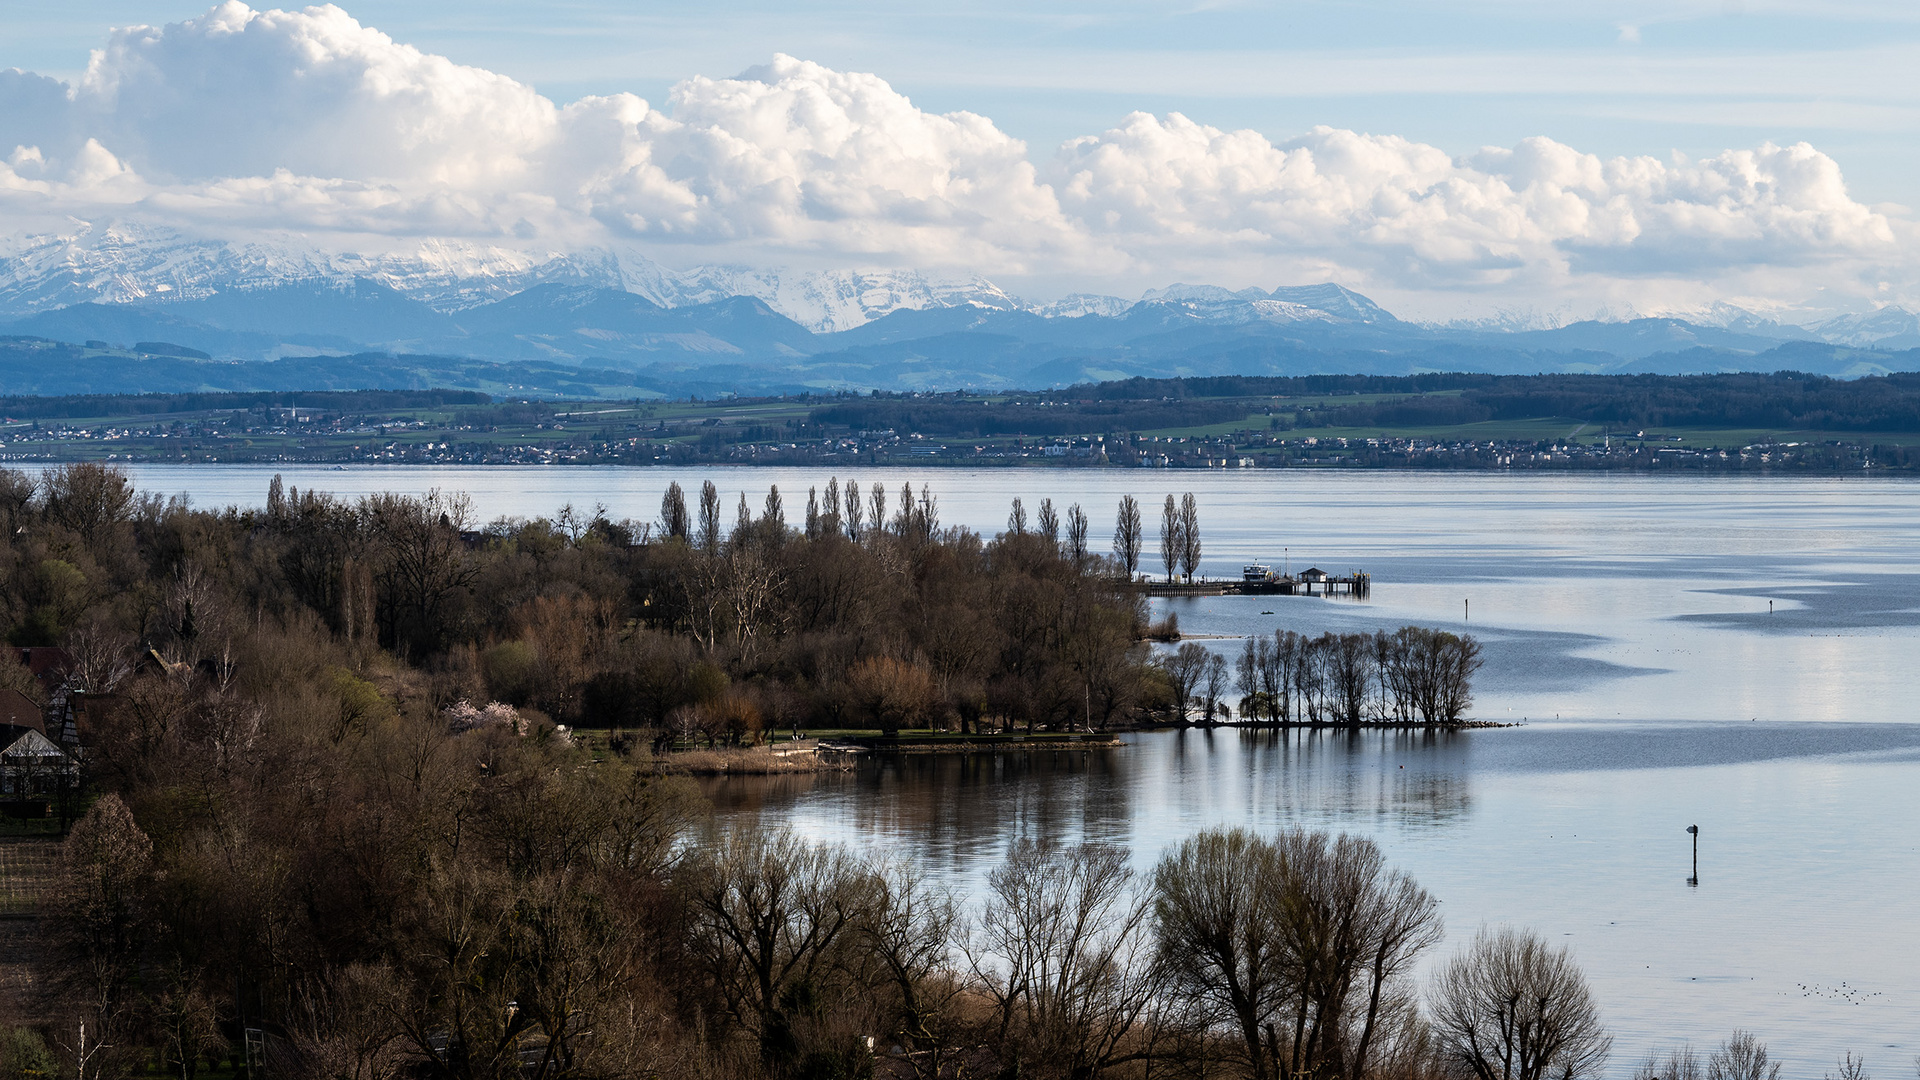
[[1312, 583]]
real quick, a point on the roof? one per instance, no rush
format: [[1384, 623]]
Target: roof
[[152, 661], [18, 710], [1313, 572], [26, 742], [44, 660]]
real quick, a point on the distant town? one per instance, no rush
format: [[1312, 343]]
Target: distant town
[[1642, 423]]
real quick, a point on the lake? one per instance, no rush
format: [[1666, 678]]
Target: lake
[[1736, 653]]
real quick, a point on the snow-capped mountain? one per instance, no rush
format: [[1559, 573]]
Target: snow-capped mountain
[[823, 301], [1324, 303], [1520, 320], [1506, 321], [118, 263], [613, 309], [121, 263], [1889, 327], [1074, 305], [1776, 322]]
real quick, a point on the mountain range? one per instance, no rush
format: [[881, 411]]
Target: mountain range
[[128, 293]]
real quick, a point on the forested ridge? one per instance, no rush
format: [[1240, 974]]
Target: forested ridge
[[1783, 399]]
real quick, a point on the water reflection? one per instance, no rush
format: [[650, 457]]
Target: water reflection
[[1282, 777], [1808, 871], [957, 808]]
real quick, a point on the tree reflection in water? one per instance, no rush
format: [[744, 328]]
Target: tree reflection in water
[[960, 811]]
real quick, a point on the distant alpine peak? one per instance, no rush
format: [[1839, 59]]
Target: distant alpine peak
[[820, 300], [117, 262], [1514, 320], [1889, 326], [1288, 303], [1075, 305], [1203, 294]]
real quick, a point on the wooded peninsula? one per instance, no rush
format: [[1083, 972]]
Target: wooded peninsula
[[368, 790]]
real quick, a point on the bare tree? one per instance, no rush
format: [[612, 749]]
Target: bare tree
[[1049, 521], [891, 693], [771, 913], [1299, 949], [17, 489], [424, 561], [877, 506], [98, 659], [1017, 519], [1431, 671], [1680, 1064], [88, 497], [830, 522], [1246, 675], [1077, 535], [1189, 535], [1349, 674], [929, 511], [340, 1027], [709, 533], [1064, 955], [1742, 1057], [100, 912], [911, 933], [1186, 669], [774, 516], [1172, 544], [742, 522], [1215, 683], [1278, 672], [753, 587], [1127, 535], [673, 512], [1510, 1007], [1849, 1068], [855, 509], [1215, 915]]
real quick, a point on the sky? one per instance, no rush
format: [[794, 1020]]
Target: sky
[[1444, 157]]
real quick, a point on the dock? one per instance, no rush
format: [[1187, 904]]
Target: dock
[[1314, 582]]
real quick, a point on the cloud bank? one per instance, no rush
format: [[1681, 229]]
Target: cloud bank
[[307, 122]]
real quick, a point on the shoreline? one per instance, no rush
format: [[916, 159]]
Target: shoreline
[[842, 755]]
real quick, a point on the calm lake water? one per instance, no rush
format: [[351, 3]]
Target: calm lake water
[[1736, 653]]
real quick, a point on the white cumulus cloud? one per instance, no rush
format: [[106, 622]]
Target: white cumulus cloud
[[306, 121]]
